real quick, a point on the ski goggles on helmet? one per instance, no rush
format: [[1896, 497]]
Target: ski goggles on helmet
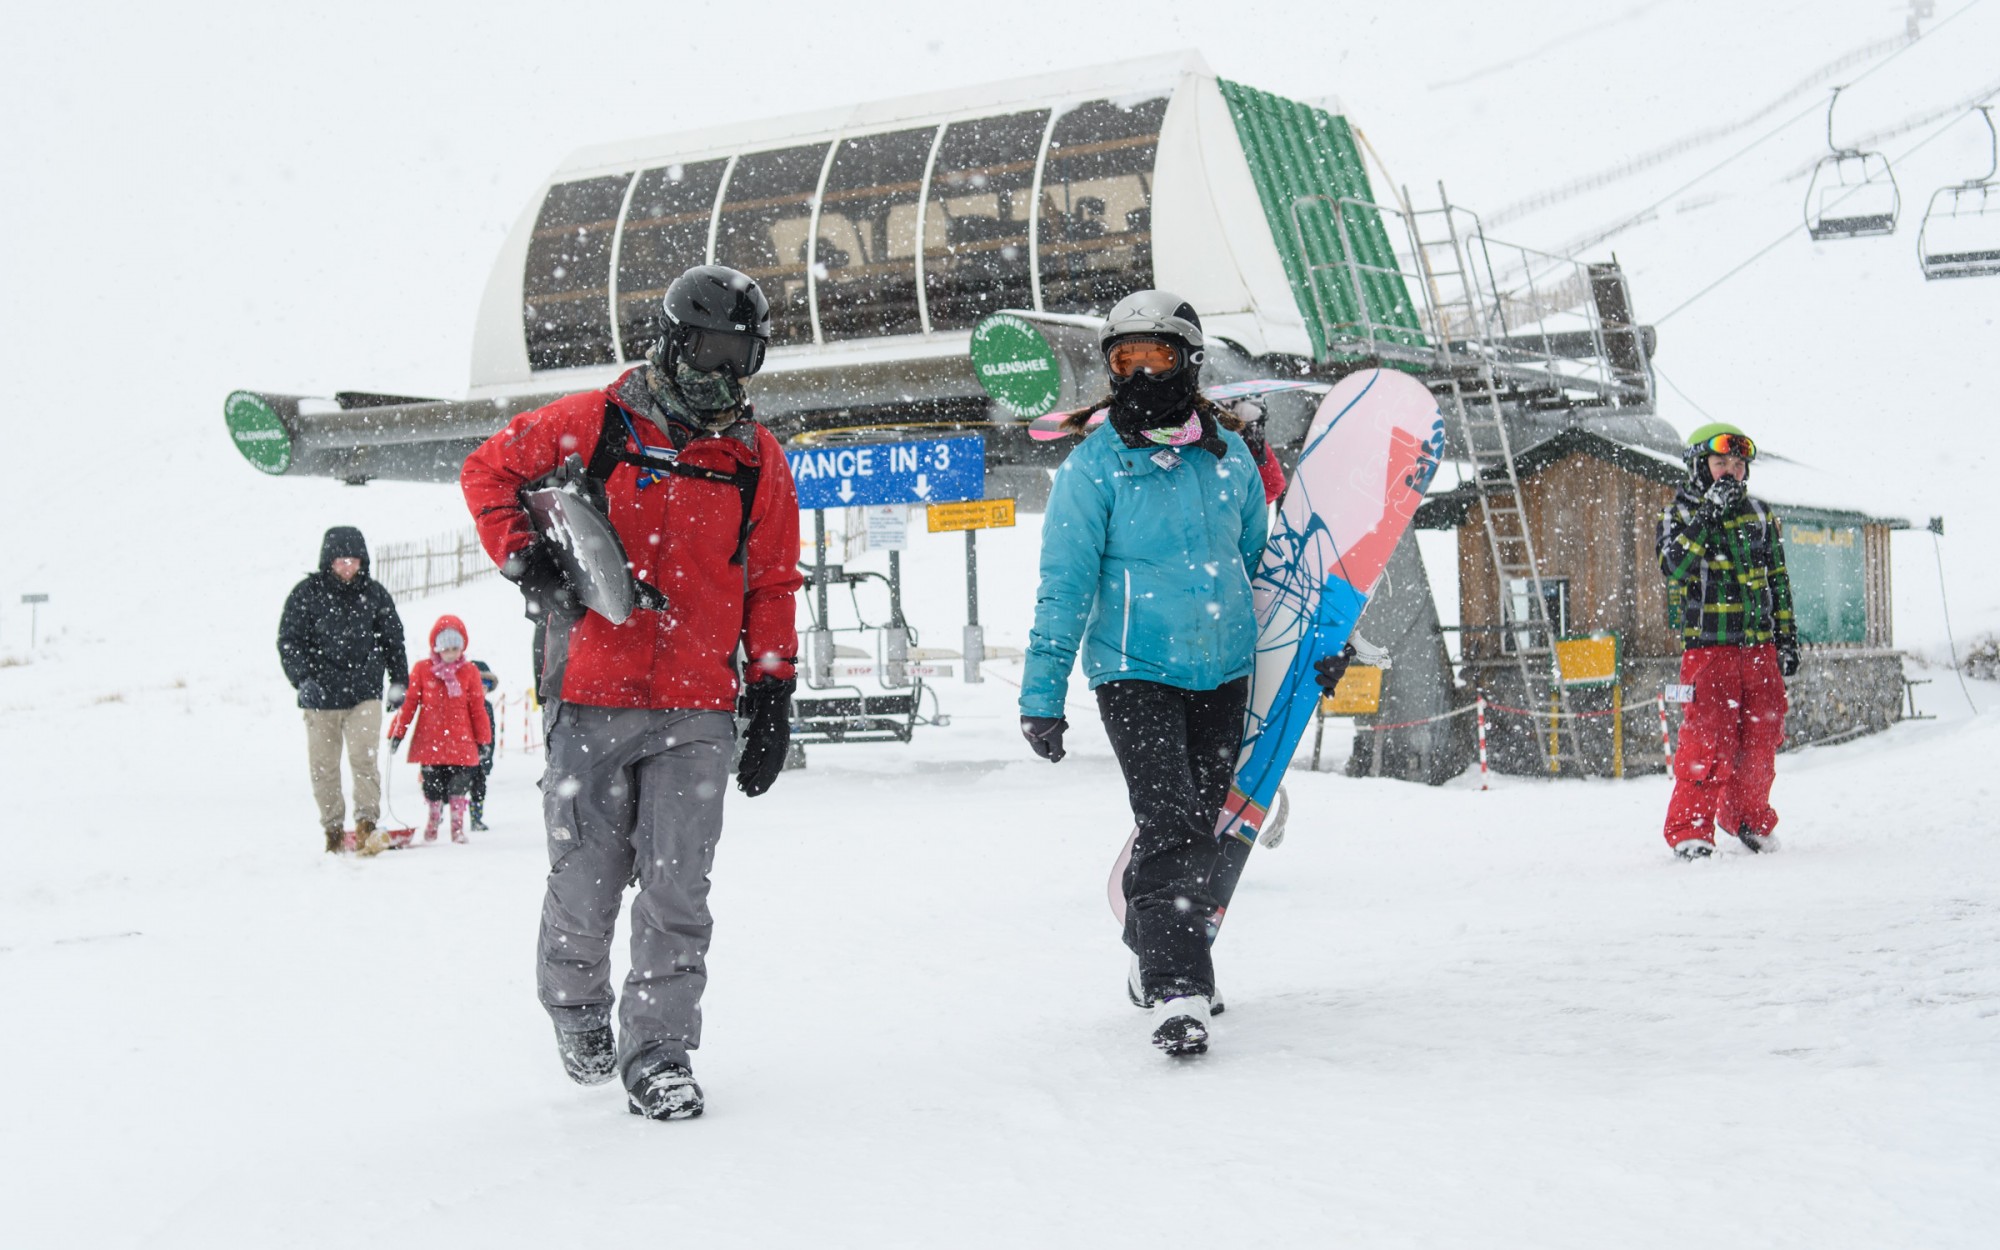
[[1729, 445], [1155, 356], [716, 351]]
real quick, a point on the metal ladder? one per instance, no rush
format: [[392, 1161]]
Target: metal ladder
[[1460, 319]]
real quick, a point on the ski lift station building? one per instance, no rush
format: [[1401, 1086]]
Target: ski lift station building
[[943, 261], [884, 234]]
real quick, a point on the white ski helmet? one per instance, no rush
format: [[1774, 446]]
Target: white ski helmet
[[1154, 314]]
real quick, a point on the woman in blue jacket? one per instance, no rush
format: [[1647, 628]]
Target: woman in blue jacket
[[1154, 529]]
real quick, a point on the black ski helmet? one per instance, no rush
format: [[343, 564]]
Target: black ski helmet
[[719, 301]]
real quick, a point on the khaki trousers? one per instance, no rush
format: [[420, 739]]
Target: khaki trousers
[[359, 728]]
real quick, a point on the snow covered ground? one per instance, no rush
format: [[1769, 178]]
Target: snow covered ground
[[1456, 1018]]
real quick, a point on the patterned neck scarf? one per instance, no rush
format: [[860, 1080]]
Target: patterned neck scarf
[[1177, 436], [447, 673]]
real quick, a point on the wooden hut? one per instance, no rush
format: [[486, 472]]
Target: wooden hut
[[1593, 503]]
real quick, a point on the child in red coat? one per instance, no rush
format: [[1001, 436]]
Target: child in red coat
[[446, 689]]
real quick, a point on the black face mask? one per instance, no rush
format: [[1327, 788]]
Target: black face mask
[[1145, 401]]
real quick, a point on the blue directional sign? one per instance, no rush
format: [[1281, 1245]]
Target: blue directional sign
[[936, 470]]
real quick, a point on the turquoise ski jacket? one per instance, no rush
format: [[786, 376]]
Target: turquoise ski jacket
[[1147, 555]]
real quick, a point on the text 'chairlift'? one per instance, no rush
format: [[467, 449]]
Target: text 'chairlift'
[[1960, 237], [1853, 193]]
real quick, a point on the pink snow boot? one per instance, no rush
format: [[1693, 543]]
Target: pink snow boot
[[458, 806], [431, 825]]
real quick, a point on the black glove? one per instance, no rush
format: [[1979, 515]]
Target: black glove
[[395, 745], [767, 704], [486, 757], [395, 699], [1253, 438], [1044, 734], [540, 576], [311, 693], [1788, 656], [1723, 497], [1329, 669]]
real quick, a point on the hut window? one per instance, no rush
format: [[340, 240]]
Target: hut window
[[976, 222], [866, 265], [1555, 609], [565, 289], [666, 232], [1097, 205], [1828, 566], [765, 227]]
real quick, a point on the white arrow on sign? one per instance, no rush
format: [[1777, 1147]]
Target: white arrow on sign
[[846, 490], [923, 486]]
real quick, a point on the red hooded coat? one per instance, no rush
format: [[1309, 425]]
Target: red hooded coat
[[452, 726]]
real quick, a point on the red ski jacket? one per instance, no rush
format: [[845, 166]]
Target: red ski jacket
[[1273, 474], [681, 534], [452, 727]]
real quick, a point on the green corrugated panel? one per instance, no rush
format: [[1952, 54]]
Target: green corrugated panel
[[1303, 161]]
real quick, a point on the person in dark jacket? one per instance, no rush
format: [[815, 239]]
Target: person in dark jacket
[[640, 713], [339, 641], [1723, 556]]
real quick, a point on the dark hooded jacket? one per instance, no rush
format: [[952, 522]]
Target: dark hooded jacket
[[340, 640]]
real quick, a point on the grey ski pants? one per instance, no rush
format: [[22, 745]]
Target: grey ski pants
[[632, 794]]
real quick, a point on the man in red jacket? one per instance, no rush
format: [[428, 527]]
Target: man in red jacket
[[641, 714]]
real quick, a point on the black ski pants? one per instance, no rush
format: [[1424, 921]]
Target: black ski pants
[[1177, 749]]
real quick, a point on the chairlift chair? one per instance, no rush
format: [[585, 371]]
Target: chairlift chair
[[1960, 237], [1853, 193]]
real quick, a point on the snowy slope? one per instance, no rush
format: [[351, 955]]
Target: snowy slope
[[1457, 1018]]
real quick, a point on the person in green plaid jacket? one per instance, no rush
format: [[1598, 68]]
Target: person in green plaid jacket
[[1723, 556]]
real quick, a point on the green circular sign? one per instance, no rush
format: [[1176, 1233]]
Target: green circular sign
[[1016, 365], [259, 434]]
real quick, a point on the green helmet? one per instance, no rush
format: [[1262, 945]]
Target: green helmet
[[1717, 438]]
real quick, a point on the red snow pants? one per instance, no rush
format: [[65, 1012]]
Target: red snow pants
[[1729, 742]]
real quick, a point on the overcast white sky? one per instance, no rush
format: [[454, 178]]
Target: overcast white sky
[[308, 197]]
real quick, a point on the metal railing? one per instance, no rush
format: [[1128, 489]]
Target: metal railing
[[412, 570], [1534, 318]]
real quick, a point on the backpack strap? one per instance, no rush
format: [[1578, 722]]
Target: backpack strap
[[610, 452]]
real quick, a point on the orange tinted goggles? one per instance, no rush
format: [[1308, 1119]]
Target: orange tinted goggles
[[1731, 445], [1151, 355]]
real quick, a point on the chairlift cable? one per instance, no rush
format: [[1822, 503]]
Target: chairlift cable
[[1774, 244], [1675, 387], [1774, 132]]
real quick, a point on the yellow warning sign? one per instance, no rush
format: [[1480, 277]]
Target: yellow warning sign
[[1358, 694], [974, 514], [1591, 661]]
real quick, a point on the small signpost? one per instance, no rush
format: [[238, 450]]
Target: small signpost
[[972, 516], [883, 478], [887, 527], [1592, 660], [1358, 694], [34, 603]]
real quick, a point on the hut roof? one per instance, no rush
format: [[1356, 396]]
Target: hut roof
[[1788, 485]]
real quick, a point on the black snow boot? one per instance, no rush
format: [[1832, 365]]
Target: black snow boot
[[1759, 843], [590, 1056], [667, 1092], [1695, 848]]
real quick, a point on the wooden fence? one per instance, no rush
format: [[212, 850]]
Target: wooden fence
[[411, 570]]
